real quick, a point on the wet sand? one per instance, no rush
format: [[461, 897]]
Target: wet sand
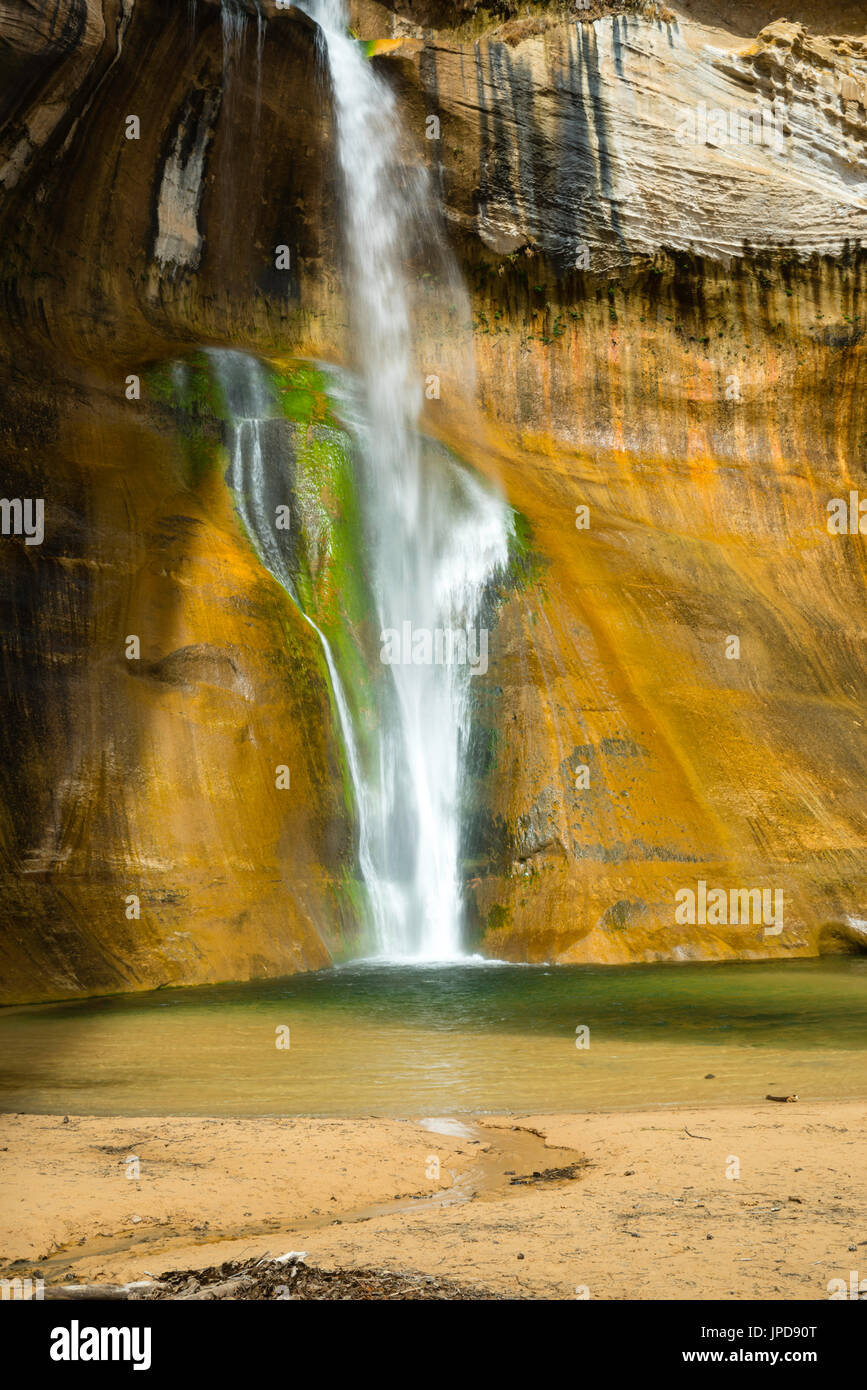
[[639, 1204]]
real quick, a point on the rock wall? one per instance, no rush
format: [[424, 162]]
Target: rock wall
[[155, 779], [668, 331]]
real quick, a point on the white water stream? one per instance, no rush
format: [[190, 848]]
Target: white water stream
[[434, 537]]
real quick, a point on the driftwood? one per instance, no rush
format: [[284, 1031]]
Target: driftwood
[[229, 1288], [782, 1099], [192, 1291], [269, 1279], [75, 1292]]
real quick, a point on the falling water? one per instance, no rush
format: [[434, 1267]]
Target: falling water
[[257, 476], [434, 534], [234, 21], [431, 561], [261, 30]]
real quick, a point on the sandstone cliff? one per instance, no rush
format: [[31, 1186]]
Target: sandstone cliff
[[660, 216]]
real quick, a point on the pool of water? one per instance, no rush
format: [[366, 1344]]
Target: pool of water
[[379, 1039]]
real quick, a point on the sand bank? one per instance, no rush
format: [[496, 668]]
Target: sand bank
[[762, 1201]]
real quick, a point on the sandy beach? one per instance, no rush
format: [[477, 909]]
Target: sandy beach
[[764, 1201]]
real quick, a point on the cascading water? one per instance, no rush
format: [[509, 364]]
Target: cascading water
[[434, 535], [257, 477]]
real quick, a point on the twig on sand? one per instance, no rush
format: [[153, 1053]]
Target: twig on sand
[[696, 1136]]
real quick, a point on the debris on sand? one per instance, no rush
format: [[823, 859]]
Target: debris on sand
[[550, 1174], [271, 1279]]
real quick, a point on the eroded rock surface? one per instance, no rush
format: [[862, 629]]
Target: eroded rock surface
[[668, 330]]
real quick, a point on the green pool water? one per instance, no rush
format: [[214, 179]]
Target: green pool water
[[376, 1039]]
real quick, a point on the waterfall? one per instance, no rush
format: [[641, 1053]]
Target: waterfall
[[233, 17], [430, 565], [434, 535], [259, 487]]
